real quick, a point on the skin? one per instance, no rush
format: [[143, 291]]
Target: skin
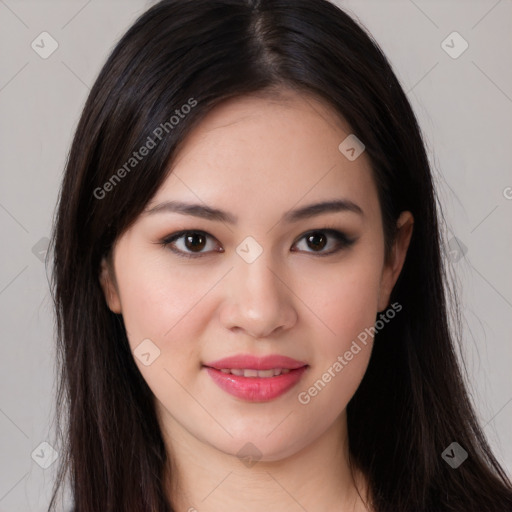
[[257, 158]]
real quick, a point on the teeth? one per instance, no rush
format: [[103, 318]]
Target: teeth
[[256, 373]]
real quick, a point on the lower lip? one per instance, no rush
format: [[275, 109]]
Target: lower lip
[[256, 389]]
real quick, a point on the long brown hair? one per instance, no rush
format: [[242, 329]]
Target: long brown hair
[[207, 51]]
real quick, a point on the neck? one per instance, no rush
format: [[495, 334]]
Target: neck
[[317, 477]]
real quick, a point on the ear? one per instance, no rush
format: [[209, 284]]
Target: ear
[[108, 284], [394, 266]]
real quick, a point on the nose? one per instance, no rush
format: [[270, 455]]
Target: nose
[[258, 300]]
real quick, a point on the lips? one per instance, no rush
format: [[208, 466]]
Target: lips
[[247, 372], [256, 379], [247, 361]]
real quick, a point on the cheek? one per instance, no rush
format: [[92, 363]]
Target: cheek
[[347, 306], [162, 304], [346, 302], [353, 306]]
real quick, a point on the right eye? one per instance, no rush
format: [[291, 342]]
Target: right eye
[[188, 244]]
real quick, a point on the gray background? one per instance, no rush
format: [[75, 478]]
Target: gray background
[[464, 106]]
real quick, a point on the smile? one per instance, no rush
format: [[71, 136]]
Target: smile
[[273, 372]]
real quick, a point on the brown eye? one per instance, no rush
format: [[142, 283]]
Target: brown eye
[[195, 241], [194, 244], [317, 240], [191, 244]]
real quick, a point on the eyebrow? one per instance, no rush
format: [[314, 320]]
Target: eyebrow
[[214, 214]]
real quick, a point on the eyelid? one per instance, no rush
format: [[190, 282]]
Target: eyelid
[[168, 240], [344, 241]]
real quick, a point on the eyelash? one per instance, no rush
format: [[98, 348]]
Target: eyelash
[[343, 240]]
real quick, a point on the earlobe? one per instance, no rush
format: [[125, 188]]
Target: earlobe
[[393, 268], [109, 288]]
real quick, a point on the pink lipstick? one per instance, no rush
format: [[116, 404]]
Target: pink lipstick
[[256, 379]]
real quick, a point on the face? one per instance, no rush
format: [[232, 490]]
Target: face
[[252, 271]]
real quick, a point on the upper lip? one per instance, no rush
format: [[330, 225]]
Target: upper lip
[[248, 361]]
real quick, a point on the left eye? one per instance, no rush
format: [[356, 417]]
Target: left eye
[[191, 244], [319, 239]]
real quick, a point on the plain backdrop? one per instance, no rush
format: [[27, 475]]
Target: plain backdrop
[[464, 105]]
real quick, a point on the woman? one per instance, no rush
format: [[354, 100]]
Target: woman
[[248, 281]]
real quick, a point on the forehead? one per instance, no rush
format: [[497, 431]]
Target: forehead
[[255, 153]]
